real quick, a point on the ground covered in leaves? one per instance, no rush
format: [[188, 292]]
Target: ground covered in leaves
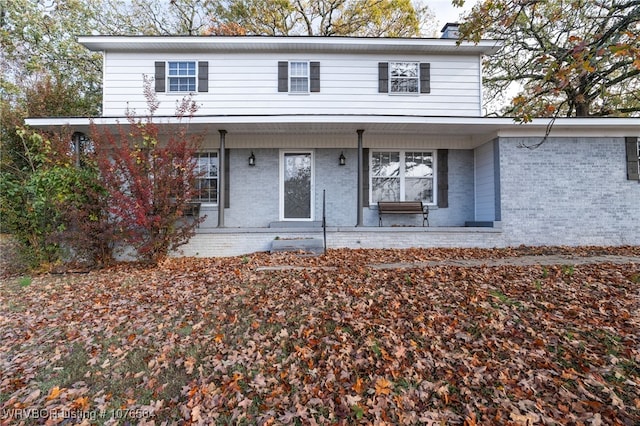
[[333, 341]]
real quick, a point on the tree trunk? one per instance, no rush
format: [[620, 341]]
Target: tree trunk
[[582, 109]]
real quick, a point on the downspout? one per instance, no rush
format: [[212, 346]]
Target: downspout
[[221, 182], [360, 178]]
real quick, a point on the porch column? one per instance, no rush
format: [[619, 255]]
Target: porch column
[[221, 167], [76, 147], [360, 178]]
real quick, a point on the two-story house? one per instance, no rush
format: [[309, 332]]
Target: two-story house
[[305, 128]]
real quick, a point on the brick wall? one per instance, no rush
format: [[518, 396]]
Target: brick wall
[[569, 191]]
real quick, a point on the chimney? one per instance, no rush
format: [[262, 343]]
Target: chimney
[[450, 30]]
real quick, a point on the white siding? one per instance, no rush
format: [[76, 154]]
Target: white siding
[[247, 84], [485, 183]]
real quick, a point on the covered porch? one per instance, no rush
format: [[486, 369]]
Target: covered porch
[[342, 162]]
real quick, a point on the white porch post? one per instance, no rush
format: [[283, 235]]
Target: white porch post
[[360, 178], [221, 182]]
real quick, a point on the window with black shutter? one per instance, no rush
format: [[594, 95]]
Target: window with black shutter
[[181, 76], [404, 77], [298, 76]]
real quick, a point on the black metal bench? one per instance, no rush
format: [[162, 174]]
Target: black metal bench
[[403, 207]]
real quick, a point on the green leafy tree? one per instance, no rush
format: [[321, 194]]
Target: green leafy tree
[[171, 17], [38, 41], [564, 57], [40, 183], [39, 196], [43, 70], [369, 18]]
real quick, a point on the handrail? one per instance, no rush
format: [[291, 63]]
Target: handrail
[[324, 221]]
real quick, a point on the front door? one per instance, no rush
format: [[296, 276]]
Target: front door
[[296, 185]]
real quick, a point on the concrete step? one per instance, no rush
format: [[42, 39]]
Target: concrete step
[[306, 245], [296, 224]]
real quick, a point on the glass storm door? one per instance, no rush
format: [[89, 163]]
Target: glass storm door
[[296, 186]]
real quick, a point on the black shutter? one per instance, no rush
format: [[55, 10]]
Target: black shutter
[[443, 178], [203, 76], [315, 77], [227, 173], [283, 76], [383, 77], [365, 177], [160, 77], [632, 159], [425, 78]]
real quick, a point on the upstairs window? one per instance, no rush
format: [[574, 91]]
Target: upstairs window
[[182, 76], [298, 77], [207, 181], [402, 176], [404, 77]]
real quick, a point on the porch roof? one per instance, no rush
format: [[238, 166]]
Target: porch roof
[[457, 132]]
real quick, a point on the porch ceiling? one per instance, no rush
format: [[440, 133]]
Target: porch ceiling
[[462, 132]]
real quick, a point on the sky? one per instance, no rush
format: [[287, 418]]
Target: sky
[[445, 12]]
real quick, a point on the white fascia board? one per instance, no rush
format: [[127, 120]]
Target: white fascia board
[[495, 127], [288, 44], [574, 127]]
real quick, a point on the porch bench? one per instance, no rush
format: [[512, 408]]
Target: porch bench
[[192, 209], [403, 207]]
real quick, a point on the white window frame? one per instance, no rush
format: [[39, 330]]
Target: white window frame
[[194, 76], [416, 78], [292, 76], [197, 156], [281, 184], [402, 156]]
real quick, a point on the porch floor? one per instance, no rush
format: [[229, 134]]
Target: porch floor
[[221, 242]]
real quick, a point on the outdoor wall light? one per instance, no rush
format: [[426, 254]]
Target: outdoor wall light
[[342, 160], [252, 159]]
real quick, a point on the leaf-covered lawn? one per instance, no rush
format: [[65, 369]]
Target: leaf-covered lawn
[[334, 341]]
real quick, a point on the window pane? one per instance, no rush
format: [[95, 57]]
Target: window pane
[[182, 76], [404, 77], [299, 84], [297, 186], [385, 164], [404, 86], [207, 181], [404, 69], [182, 68], [402, 176], [299, 69], [418, 164], [182, 84], [207, 190], [299, 77], [385, 189], [418, 189]]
